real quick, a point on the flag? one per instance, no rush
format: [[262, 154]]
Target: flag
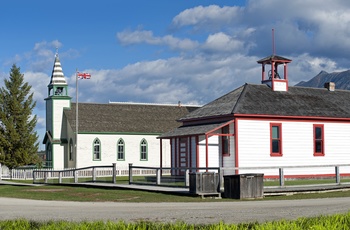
[[84, 75]]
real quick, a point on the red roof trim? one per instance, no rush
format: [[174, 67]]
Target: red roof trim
[[305, 118]]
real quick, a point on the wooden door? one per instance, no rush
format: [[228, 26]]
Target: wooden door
[[183, 155]]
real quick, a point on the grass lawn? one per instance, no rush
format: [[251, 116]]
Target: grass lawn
[[78, 193]]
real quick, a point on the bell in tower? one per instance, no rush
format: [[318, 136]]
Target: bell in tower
[[276, 78]]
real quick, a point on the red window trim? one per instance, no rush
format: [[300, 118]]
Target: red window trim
[[317, 154], [279, 125]]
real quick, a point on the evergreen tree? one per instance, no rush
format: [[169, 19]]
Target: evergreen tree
[[18, 139]]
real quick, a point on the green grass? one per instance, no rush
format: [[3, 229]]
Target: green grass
[[338, 221], [88, 194], [85, 194], [305, 181]]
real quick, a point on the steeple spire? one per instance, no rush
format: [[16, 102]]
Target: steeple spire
[[58, 82]]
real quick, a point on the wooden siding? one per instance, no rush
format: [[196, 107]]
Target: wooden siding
[[229, 161], [58, 106], [109, 150], [254, 146]]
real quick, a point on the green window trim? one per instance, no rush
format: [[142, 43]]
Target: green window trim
[[96, 150], [143, 150], [121, 150]]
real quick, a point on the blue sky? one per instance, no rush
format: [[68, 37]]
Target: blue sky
[[160, 51]]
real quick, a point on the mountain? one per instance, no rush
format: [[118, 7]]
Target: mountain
[[341, 80]]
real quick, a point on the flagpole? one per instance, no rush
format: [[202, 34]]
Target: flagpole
[[76, 119]]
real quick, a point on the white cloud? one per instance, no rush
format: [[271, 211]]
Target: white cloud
[[138, 37], [223, 43], [209, 16]]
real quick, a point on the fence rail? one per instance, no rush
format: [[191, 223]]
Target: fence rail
[[167, 176]]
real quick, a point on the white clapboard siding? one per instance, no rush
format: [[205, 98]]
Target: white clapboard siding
[[297, 146], [58, 106], [109, 150]]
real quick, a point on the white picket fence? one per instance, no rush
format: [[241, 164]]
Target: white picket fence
[[27, 174]]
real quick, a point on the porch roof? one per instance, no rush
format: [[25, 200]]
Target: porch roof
[[193, 130]]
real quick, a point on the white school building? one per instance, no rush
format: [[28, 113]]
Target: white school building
[[265, 125]]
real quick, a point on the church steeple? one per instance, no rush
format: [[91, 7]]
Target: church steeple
[[58, 84], [55, 139]]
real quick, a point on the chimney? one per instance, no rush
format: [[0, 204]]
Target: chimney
[[330, 86]]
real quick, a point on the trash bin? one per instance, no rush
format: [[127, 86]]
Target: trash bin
[[204, 183], [244, 186]]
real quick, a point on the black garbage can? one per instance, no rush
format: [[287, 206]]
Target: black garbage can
[[244, 186], [204, 183]]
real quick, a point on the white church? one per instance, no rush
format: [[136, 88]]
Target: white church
[[120, 133]]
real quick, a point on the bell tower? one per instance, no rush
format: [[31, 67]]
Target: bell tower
[[55, 139], [277, 80]]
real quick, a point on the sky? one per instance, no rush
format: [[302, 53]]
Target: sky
[[158, 51]]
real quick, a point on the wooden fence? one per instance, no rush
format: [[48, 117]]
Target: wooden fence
[[170, 176]]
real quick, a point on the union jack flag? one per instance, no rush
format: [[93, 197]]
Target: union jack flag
[[84, 75]]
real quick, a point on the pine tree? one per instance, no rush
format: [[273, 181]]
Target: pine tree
[[18, 139]]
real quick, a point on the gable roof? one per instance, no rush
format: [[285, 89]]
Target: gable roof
[[261, 100], [126, 117]]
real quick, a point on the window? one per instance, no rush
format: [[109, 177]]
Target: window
[[225, 140], [97, 150], [318, 140], [276, 139], [143, 150], [120, 150]]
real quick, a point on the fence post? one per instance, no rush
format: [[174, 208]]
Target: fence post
[[221, 178], [45, 177], [75, 176], [59, 177], [114, 174], [281, 174], [94, 174], [337, 175], [0, 172], [187, 177], [130, 173], [158, 176]]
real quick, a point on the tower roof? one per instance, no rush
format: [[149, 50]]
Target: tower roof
[[57, 76], [275, 58]]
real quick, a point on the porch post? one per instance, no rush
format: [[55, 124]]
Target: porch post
[[206, 151], [161, 155], [114, 173]]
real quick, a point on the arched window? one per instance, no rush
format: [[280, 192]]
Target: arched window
[[120, 150], [143, 150], [70, 150], [97, 150]]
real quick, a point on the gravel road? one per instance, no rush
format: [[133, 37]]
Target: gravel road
[[193, 213]]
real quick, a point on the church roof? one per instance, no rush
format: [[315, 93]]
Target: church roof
[[126, 117], [261, 100], [57, 76]]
